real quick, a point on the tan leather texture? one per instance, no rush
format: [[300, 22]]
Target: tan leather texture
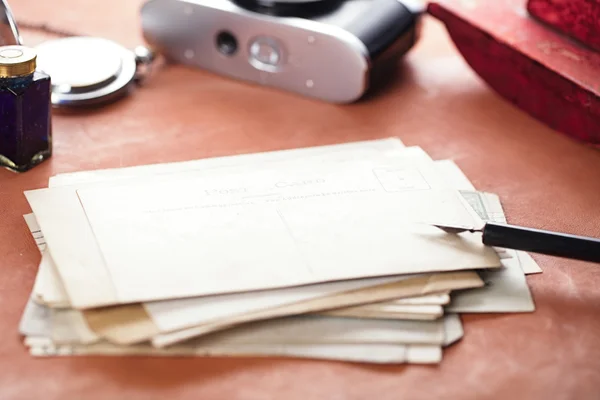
[[544, 179]]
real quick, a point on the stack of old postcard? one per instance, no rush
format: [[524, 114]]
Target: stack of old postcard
[[327, 253]]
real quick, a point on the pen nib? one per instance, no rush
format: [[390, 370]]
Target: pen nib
[[454, 230]]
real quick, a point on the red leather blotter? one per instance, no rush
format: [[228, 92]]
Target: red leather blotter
[[578, 19], [548, 75]]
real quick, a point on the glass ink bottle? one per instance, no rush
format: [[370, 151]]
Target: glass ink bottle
[[25, 110]]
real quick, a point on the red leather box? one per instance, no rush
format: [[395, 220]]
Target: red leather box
[[578, 19], [548, 75]]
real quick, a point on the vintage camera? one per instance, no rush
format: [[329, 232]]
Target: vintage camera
[[331, 50]]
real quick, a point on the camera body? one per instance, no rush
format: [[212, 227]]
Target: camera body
[[329, 50]]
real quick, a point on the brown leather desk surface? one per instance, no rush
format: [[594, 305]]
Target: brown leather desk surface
[[544, 179]]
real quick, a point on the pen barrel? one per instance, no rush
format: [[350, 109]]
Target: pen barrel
[[543, 242]]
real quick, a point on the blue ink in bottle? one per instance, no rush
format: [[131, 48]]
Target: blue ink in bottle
[[25, 110]]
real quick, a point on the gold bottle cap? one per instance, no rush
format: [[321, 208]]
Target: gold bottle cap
[[17, 61]]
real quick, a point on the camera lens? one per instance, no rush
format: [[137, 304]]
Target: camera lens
[[226, 43]]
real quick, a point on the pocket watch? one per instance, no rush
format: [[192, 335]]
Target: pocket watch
[[85, 70]]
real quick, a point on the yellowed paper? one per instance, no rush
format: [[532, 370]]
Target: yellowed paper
[[317, 329], [131, 324], [293, 239], [453, 329], [431, 299], [42, 346], [410, 312], [49, 291], [423, 285], [359, 353], [48, 287], [333, 153], [469, 307], [528, 264], [241, 343]]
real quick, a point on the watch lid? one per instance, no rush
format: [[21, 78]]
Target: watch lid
[[86, 71], [9, 33]]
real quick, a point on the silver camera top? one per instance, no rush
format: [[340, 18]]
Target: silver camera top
[[329, 50]]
